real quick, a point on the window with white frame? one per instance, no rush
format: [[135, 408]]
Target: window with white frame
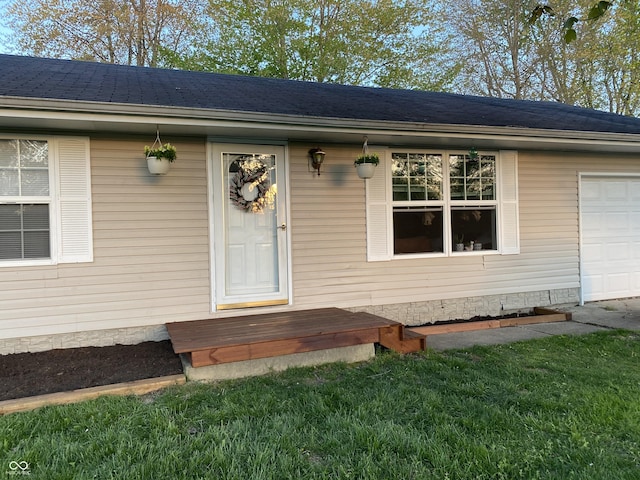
[[473, 202], [439, 196], [45, 201], [418, 202], [442, 203], [25, 199]]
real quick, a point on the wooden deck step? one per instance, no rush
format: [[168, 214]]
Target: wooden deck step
[[234, 339], [398, 338]]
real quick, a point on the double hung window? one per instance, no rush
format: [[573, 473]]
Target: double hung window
[[437, 203], [443, 202]]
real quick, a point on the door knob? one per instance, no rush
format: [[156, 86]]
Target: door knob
[[283, 227]]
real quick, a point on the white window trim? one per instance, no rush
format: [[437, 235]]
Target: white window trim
[[379, 207], [78, 224]]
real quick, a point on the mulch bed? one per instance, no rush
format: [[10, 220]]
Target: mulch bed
[[28, 374], [479, 318]]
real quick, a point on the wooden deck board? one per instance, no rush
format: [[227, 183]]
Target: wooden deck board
[[233, 339], [196, 335], [275, 348]]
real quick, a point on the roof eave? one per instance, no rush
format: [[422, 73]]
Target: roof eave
[[94, 114]]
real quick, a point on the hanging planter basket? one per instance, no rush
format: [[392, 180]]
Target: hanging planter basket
[[158, 166], [366, 170], [366, 163], [159, 156]]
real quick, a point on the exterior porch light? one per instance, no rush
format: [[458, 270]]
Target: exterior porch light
[[317, 157]]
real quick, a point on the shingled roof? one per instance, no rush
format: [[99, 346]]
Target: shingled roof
[[38, 78]]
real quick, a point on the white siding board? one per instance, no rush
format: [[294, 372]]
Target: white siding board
[[105, 300], [130, 316], [112, 273], [10, 275], [70, 291]]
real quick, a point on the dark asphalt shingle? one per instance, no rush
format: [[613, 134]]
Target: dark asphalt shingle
[[96, 82]]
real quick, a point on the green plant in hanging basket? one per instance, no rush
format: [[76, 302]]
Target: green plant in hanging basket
[[167, 151], [367, 158]]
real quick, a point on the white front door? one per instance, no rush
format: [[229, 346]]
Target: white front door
[[249, 226], [610, 243]]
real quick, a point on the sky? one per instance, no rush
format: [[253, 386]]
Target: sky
[[5, 34]]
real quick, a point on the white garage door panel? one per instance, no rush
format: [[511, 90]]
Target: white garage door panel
[[610, 246], [595, 252]]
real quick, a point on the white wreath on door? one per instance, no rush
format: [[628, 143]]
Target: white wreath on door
[[250, 186]]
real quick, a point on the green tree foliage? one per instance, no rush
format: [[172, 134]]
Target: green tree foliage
[[132, 32], [362, 42], [594, 11], [567, 71], [507, 55], [494, 40], [617, 56], [592, 58]]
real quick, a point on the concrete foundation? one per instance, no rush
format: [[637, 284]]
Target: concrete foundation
[[96, 338], [262, 366], [421, 313]]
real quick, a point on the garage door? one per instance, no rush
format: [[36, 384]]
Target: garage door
[[610, 246]]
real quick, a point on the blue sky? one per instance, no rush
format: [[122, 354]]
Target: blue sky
[[5, 33], [4, 36]]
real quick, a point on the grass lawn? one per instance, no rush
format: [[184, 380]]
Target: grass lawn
[[558, 408]]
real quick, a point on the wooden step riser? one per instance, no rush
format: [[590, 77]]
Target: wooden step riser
[[238, 353], [400, 340], [417, 341]]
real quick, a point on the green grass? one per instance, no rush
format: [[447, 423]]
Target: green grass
[[558, 408]]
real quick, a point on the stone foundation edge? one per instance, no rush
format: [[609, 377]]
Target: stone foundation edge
[[95, 338], [422, 313]]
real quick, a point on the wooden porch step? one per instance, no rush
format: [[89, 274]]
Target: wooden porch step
[[234, 339], [398, 338]]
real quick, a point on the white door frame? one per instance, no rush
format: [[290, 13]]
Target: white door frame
[[214, 199]]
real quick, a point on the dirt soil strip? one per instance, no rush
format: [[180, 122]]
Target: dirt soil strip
[[136, 387]]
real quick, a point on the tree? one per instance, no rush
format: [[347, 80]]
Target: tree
[[603, 65], [567, 71], [617, 55], [507, 56], [494, 40], [363, 42], [132, 32]]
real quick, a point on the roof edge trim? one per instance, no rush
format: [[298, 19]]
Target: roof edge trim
[[133, 113]]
